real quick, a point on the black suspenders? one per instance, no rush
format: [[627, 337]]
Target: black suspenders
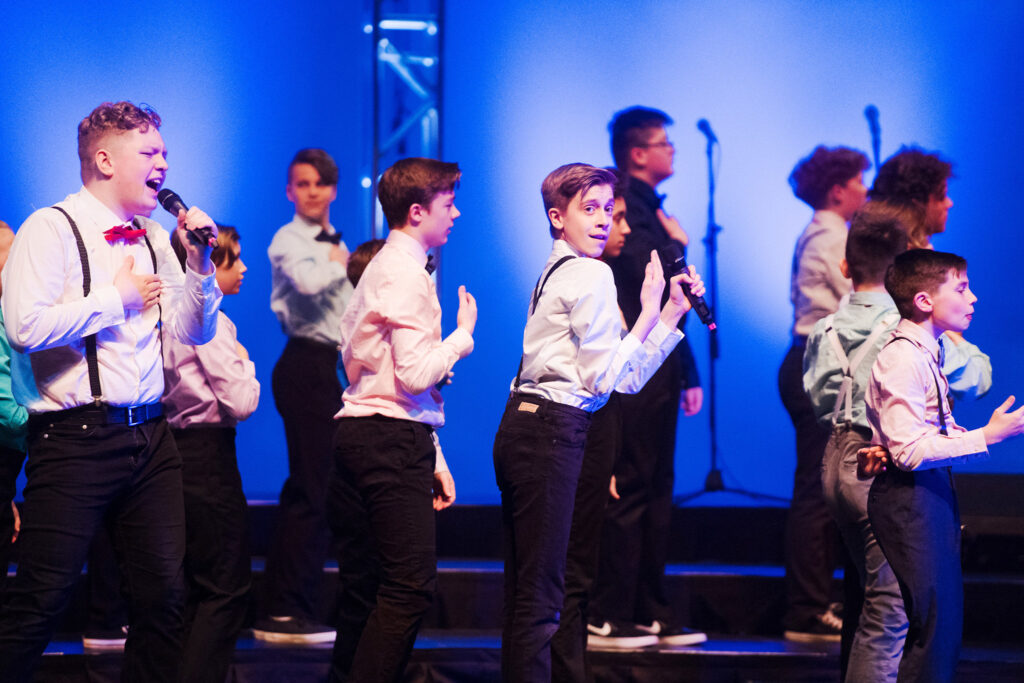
[[90, 341], [537, 291]]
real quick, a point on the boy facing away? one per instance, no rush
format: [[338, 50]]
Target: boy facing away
[[912, 504], [574, 356], [380, 500]]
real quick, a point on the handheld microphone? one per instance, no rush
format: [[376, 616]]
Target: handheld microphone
[[172, 203], [675, 263], [704, 127]]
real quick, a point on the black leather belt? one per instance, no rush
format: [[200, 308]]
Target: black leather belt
[[103, 415]]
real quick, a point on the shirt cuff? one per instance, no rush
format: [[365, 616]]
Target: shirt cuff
[[462, 341], [663, 335], [110, 304]]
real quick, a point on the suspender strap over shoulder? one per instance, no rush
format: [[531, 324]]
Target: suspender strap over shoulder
[[938, 385], [90, 341], [537, 292], [844, 401]]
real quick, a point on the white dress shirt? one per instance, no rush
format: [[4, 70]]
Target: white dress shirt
[[816, 283], [309, 290], [391, 338], [209, 385], [574, 351], [903, 399], [48, 318]]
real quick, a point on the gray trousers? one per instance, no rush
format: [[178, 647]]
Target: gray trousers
[[878, 643]]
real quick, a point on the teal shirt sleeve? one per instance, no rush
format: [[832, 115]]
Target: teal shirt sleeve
[[13, 417], [822, 374], [967, 368]]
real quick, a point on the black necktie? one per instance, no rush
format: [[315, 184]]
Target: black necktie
[[324, 236], [430, 265]]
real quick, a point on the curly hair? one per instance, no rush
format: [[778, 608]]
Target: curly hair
[[111, 117], [816, 174], [911, 176]]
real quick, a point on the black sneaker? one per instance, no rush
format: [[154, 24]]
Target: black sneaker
[[614, 636], [669, 634], [292, 631], [97, 639], [825, 628]]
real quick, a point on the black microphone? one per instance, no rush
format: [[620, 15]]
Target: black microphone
[[675, 263], [172, 203], [704, 127]]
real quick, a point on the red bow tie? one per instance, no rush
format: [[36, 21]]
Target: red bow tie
[[124, 232]]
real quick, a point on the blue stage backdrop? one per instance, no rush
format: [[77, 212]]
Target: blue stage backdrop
[[529, 86]]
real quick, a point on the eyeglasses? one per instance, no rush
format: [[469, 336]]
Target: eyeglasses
[[663, 143]]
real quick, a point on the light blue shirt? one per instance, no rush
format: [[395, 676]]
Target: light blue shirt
[[309, 290], [12, 416], [968, 369]]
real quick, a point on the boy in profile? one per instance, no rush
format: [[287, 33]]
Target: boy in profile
[[386, 479], [574, 356], [912, 505]]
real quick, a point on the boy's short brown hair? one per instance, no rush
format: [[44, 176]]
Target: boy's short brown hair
[[877, 235], [318, 159], [415, 180], [111, 117], [919, 270], [565, 182], [361, 257]]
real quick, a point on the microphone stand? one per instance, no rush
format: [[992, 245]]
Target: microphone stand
[[713, 482]]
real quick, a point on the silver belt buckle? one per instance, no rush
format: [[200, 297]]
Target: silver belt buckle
[[135, 415]]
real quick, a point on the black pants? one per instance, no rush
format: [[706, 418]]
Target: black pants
[[569, 645], [10, 467], [916, 520], [812, 537], [634, 541], [538, 452], [307, 393], [381, 511], [76, 475], [217, 562]]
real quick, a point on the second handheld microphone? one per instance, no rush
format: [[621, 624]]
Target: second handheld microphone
[[675, 263]]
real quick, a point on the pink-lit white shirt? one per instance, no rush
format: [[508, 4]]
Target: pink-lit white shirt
[[574, 350], [903, 402], [391, 342], [48, 317], [209, 385], [816, 283]]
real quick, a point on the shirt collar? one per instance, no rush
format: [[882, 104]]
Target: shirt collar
[[917, 334], [408, 245], [872, 299], [830, 219], [562, 248], [645, 193], [311, 225], [96, 211]]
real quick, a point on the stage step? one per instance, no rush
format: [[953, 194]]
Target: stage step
[[474, 656]]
